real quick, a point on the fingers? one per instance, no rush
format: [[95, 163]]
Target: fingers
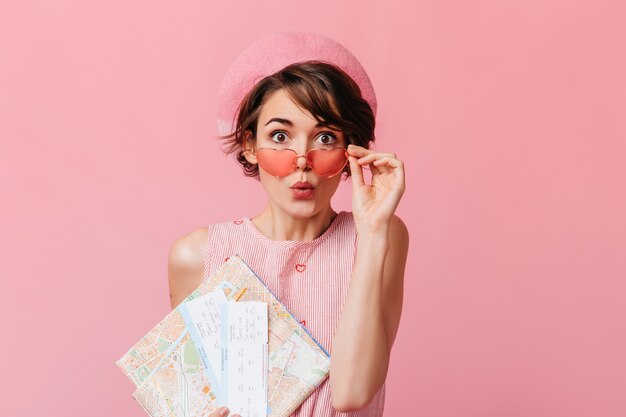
[[392, 162], [358, 151], [356, 172], [374, 159], [367, 159], [222, 412]]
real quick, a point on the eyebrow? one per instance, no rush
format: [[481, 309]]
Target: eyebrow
[[290, 123]]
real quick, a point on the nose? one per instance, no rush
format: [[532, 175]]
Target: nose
[[301, 162]]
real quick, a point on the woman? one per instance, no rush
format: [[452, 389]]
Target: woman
[[341, 273]]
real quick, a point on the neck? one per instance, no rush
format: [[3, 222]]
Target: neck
[[277, 224]]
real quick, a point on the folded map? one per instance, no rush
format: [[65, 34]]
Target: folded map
[[171, 378]]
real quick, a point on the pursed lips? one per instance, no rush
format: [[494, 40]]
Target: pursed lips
[[302, 185]]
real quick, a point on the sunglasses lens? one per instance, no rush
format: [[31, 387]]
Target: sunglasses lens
[[277, 162], [327, 162], [281, 162]]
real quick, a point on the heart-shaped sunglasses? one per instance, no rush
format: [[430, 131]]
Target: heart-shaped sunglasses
[[325, 162]]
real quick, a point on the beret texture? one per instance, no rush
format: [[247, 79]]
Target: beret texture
[[275, 51]]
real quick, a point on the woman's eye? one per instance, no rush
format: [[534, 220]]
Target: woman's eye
[[279, 136], [327, 138]]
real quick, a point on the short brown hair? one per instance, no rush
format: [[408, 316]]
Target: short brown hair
[[317, 86]]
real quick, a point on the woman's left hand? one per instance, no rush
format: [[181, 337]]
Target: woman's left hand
[[373, 205]]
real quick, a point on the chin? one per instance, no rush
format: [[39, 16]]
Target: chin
[[302, 209]]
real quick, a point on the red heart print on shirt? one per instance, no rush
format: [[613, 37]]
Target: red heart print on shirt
[[237, 221], [300, 267]]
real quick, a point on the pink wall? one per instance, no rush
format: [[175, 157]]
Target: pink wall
[[509, 115]]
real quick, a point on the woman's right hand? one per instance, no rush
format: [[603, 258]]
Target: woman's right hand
[[222, 412]]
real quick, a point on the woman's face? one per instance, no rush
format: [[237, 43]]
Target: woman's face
[[297, 130]]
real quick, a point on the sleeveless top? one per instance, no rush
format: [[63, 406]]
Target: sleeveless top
[[311, 278]]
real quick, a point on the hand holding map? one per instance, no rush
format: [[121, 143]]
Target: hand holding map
[[169, 370]]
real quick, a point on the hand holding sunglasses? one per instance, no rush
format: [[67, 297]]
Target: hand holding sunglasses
[[373, 205]]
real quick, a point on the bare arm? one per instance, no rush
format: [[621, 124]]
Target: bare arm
[[371, 313], [370, 318]]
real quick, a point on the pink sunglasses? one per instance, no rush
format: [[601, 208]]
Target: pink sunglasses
[[325, 162]]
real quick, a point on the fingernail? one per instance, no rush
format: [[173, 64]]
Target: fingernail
[[223, 411]]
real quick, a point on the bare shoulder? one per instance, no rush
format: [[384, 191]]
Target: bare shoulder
[[398, 237], [398, 233], [186, 264], [393, 277]]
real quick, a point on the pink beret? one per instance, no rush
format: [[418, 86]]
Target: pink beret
[[274, 52]]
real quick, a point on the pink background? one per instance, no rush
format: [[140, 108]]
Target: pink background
[[509, 115]]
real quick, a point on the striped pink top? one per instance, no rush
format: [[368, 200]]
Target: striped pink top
[[311, 278]]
